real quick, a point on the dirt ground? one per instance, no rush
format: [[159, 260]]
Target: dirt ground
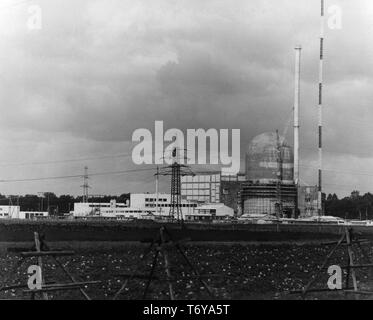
[[232, 270]]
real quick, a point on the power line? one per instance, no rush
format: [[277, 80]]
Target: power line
[[343, 171], [341, 152], [19, 164], [64, 160], [77, 176]]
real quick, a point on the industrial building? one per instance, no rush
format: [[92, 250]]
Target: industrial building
[[307, 201], [230, 194], [213, 187], [203, 187], [105, 209], [267, 186], [270, 187], [159, 204], [150, 206], [9, 212], [272, 171], [141, 205], [210, 212], [33, 215], [14, 212]]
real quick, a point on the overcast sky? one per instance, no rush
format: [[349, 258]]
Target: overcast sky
[[99, 69]]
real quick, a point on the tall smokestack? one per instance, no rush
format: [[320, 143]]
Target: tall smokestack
[[296, 112], [319, 202]]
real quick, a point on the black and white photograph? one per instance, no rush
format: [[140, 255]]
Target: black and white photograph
[[186, 154]]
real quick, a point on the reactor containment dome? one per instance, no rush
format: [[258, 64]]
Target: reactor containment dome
[[269, 159]]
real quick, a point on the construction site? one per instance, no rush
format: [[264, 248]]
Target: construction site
[[262, 233]]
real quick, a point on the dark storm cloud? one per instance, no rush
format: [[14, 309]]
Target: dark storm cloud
[[100, 69]]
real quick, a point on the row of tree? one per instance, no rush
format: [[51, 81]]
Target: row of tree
[[55, 205], [355, 206]]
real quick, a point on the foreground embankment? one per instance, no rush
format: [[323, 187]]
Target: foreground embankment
[[232, 271], [83, 230]]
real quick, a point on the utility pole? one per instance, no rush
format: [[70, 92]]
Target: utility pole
[[157, 190], [48, 202], [41, 204], [279, 176]]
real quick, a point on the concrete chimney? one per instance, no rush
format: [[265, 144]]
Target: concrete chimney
[[296, 112]]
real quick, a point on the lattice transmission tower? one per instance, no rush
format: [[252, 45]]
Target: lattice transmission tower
[[176, 170], [85, 185]]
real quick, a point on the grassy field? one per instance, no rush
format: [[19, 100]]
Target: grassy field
[[237, 270]]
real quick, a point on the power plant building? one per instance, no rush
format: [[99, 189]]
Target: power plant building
[[267, 186], [213, 187], [270, 187], [151, 206], [203, 187], [307, 201]]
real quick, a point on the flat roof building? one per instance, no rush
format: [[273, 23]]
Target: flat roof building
[[203, 187], [14, 212], [213, 187], [210, 212]]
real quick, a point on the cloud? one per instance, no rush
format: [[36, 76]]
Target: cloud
[[99, 70]]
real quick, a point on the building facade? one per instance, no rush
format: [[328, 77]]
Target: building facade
[[230, 191], [270, 187], [213, 187], [14, 212], [150, 206], [33, 215], [148, 201], [10, 212], [203, 187], [307, 201], [210, 212], [98, 209], [141, 206]]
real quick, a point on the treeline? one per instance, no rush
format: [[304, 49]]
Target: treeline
[[53, 204], [355, 206]]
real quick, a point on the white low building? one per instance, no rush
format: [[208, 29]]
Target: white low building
[[160, 205], [33, 214], [9, 212], [151, 206], [14, 212], [105, 209], [210, 212], [109, 210]]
